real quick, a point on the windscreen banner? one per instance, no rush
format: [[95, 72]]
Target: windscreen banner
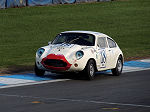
[[2, 4], [39, 2], [16, 3]]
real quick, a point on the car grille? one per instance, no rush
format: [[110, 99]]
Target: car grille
[[55, 63]]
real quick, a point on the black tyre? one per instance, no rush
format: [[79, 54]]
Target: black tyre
[[38, 72], [118, 69], [89, 70]]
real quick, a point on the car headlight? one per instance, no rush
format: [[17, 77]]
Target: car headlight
[[40, 52], [79, 54]]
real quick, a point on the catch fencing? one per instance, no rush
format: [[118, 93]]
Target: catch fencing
[[22, 3]]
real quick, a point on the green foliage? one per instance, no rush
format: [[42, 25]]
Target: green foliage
[[24, 30]]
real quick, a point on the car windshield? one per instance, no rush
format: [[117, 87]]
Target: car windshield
[[75, 38]]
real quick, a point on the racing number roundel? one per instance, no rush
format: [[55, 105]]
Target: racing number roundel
[[103, 58]]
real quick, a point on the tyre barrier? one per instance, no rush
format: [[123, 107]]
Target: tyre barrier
[[22, 3], [2, 4], [15, 3]]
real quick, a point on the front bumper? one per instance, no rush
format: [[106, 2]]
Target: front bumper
[[56, 62]]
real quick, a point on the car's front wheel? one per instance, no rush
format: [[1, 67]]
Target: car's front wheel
[[38, 72], [89, 70], [118, 69]]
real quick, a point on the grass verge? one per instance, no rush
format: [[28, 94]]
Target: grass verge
[[24, 30]]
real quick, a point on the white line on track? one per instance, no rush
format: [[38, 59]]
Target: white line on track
[[12, 82], [127, 69], [77, 100], [21, 82], [33, 83], [145, 60]]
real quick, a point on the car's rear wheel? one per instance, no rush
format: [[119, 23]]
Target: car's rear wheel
[[38, 72], [89, 70], [118, 69]]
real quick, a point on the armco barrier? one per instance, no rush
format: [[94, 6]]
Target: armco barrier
[[104, 0], [39, 2], [63, 1], [79, 1], [15, 3], [21, 3], [57, 1], [69, 1], [2, 4]]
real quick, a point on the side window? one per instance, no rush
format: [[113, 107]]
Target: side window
[[111, 43], [102, 42]]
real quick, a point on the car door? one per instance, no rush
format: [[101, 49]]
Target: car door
[[102, 53], [112, 47]]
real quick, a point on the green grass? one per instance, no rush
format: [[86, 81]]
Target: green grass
[[24, 30]]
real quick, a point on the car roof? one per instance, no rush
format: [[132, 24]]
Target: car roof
[[87, 32]]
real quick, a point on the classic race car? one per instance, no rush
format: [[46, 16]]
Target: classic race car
[[82, 52]]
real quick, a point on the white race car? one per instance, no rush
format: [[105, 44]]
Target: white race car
[[85, 52]]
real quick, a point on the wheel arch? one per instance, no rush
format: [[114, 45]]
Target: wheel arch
[[116, 59], [117, 70], [122, 58], [94, 63]]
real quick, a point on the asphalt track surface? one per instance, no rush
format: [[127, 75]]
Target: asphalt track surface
[[129, 92]]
